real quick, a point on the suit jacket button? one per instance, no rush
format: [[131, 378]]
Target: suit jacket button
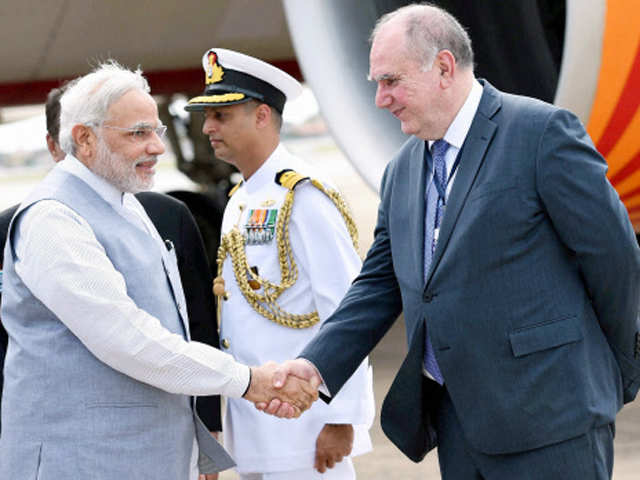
[[225, 343], [427, 297]]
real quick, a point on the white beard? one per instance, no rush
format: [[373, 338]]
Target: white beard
[[120, 172]]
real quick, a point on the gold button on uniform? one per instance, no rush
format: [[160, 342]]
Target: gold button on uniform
[[225, 343]]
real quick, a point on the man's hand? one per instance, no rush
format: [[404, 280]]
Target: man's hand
[[333, 444], [299, 368], [293, 396]]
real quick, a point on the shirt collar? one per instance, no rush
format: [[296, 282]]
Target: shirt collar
[[267, 172], [102, 187], [459, 128]]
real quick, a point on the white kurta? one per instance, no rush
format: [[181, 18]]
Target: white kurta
[[327, 264]]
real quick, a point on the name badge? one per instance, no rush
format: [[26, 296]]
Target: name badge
[[261, 226]]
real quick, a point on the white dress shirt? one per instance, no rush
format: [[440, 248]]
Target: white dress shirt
[[60, 260], [457, 133]]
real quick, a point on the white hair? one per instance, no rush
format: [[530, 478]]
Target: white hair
[[428, 30], [88, 99]]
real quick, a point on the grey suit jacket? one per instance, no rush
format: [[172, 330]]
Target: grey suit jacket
[[532, 297]]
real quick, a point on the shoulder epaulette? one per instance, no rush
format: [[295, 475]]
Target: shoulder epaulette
[[235, 188], [289, 179]]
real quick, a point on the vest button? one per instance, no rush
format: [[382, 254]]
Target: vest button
[[225, 343]]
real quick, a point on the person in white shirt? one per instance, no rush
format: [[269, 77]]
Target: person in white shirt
[[95, 312], [287, 257]]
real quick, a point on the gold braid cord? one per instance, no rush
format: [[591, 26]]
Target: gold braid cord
[[265, 303]]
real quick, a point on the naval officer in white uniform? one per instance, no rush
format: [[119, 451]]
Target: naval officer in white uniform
[[287, 257]]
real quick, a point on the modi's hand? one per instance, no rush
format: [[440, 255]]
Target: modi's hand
[[290, 371], [292, 397]]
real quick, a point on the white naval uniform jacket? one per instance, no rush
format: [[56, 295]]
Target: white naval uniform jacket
[[327, 264]]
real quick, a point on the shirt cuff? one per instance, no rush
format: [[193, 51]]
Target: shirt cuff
[[240, 383], [248, 384], [322, 388]]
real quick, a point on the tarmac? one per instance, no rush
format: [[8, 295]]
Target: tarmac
[[386, 461]]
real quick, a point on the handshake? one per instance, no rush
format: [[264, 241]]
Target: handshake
[[284, 390]]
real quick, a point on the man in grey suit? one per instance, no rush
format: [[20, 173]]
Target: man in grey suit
[[99, 369], [513, 260]]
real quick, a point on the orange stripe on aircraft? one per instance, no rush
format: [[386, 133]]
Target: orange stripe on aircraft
[[625, 171], [626, 108], [619, 45], [628, 196], [634, 212], [633, 202]]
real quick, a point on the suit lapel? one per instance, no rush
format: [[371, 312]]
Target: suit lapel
[[472, 155], [416, 206]]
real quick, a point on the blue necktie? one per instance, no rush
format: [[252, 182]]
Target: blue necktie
[[436, 196]]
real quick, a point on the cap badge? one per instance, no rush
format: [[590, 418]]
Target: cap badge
[[213, 71]]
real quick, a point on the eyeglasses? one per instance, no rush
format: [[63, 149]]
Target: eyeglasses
[[140, 133]]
